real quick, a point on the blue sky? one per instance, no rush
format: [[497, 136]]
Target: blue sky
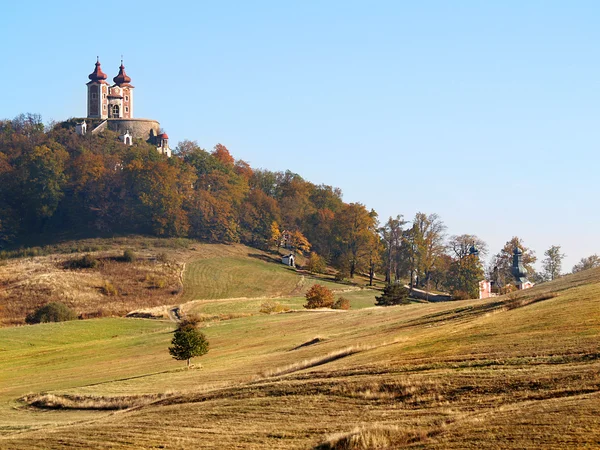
[[483, 112]]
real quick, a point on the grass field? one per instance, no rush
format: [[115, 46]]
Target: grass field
[[521, 371]]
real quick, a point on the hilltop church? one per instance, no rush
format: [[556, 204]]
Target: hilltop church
[[112, 107]]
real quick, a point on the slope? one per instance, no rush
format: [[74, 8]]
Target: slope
[[512, 372]]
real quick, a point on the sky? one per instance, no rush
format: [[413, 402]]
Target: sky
[[486, 113]]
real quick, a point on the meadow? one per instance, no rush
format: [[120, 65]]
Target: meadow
[[519, 371]]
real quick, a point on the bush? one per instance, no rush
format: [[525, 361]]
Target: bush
[[155, 282], [51, 312], [85, 262], [270, 307], [129, 256], [342, 303], [109, 289], [393, 294], [341, 275], [319, 297]]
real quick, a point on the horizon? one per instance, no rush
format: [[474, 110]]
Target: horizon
[[493, 106]]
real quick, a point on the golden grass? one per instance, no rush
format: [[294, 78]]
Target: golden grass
[[512, 372]]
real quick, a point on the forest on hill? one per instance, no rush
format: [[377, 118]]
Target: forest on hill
[[53, 181]]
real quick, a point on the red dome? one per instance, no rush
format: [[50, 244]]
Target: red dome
[[164, 136], [97, 74], [122, 78]]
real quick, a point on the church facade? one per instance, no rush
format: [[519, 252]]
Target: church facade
[[112, 104]]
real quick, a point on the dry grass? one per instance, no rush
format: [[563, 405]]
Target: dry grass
[[511, 372], [101, 403], [373, 437]]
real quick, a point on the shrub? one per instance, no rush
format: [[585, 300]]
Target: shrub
[[341, 275], [155, 282], [342, 303], [85, 262], [393, 294], [109, 289], [270, 307], [129, 256], [162, 257], [51, 312], [319, 297]]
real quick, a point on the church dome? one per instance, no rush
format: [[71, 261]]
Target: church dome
[[97, 74], [122, 77], [164, 136]]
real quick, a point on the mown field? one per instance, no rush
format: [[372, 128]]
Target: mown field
[[521, 371]]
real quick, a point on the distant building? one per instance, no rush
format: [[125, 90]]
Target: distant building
[[491, 288], [113, 106], [289, 260]]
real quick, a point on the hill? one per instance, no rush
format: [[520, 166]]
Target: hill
[[153, 282], [511, 372]]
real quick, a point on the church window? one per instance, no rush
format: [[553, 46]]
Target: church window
[[104, 107], [115, 111], [127, 109], [94, 96], [127, 98], [103, 95]]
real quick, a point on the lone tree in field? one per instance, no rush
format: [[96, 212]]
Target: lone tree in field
[[319, 297], [188, 341], [393, 294]]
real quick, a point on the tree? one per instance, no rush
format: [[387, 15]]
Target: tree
[[315, 264], [355, 232], [319, 297], [589, 262], [500, 267], [461, 245], [426, 244], [391, 237], [393, 294], [553, 262], [464, 276], [188, 342]]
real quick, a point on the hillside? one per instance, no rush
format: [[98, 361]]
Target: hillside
[[512, 372], [155, 280]]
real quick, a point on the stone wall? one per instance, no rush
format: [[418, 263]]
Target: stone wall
[[145, 129]]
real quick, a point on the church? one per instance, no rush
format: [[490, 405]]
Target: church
[[111, 107]]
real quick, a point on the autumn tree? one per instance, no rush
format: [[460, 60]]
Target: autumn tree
[[425, 243], [298, 242], [460, 246], [355, 232], [391, 237], [316, 264], [552, 264], [319, 296], [589, 262]]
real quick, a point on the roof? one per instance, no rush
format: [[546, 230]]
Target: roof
[[97, 75], [122, 78]]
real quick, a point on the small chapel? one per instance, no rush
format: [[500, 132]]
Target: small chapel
[[111, 107]]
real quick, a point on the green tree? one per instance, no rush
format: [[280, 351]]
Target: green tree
[[188, 342], [464, 276], [553, 262], [393, 294]]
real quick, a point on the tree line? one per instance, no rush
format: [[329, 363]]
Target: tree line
[[55, 181]]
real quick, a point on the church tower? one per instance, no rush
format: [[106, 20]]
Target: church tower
[[120, 96], [97, 100]]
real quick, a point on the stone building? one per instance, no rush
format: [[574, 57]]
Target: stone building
[[113, 106]]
